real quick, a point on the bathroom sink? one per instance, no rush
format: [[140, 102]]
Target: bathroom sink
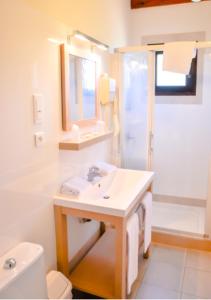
[[100, 188], [117, 184], [113, 194]]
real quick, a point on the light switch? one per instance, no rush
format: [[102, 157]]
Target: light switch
[[38, 108], [39, 138]]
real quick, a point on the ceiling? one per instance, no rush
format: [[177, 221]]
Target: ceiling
[[148, 3]]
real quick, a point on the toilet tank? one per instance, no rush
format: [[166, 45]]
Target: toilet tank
[[25, 279]]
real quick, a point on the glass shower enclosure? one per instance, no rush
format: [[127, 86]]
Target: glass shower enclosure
[[137, 111], [141, 141]]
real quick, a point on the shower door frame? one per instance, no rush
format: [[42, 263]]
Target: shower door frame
[[150, 101]]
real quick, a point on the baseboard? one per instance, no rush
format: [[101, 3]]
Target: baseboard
[[183, 241], [84, 250], [179, 200], [178, 232]]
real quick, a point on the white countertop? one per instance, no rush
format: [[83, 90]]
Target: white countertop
[[123, 187]]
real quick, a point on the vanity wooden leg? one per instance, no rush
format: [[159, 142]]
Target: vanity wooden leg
[[61, 240], [147, 253], [120, 260], [102, 228]]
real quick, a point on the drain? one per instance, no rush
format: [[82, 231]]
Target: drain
[[106, 197]]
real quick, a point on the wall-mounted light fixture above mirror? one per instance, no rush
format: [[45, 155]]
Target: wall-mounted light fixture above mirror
[[79, 88], [84, 37]]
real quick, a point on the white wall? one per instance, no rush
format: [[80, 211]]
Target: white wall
[[192, 17], [182, 131], [29, 176], [106, 20]]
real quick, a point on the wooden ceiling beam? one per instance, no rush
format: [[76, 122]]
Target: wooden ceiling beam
[[149, 3]]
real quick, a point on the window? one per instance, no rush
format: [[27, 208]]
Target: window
[[174, 84]]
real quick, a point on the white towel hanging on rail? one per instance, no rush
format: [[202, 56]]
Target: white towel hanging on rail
[[178, 57], [147, 203], [133, 245]]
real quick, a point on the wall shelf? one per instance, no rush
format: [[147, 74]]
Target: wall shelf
[[86, 141]]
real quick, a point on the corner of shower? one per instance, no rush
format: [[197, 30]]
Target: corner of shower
[[179, 217]]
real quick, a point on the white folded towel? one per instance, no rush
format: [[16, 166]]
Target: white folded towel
[[74, 186], [141, 212], [133, 245], [178, 57], [147, 203], [104, 168]]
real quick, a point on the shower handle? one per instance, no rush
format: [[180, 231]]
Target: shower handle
[[151, 139], [130, 138]]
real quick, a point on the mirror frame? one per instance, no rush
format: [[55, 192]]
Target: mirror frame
[[65, 89]]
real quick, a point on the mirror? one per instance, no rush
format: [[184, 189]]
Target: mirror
[[79, 97], [82, 88]]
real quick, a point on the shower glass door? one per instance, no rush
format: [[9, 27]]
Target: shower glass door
[[137, 110]]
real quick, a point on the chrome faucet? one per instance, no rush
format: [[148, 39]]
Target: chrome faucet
[[93, 172]]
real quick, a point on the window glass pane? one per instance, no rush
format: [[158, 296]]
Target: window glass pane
[[165, 78]]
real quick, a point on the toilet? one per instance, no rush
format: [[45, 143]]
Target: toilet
[[58, 286], [22, 275]]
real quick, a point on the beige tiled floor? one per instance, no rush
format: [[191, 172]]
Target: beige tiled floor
[[175, 273]]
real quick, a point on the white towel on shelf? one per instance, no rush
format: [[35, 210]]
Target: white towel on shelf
[[104, 167], [74, 186], [147, 203], [178, 57], [133, 245]]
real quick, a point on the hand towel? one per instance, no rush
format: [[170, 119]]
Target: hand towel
[[112, 85], [133, 245], [147, 203], [178, 57], [141, 213], [74, 186], [112, 89]]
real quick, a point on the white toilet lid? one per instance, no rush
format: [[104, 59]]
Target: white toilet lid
[[58, 286]]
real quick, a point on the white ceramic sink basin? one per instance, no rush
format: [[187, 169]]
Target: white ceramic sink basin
[[101, 187], [117, 184], [113, 194]]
